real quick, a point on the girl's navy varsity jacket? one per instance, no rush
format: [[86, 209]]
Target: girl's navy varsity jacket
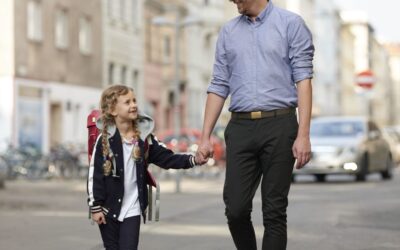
[[105, 193]]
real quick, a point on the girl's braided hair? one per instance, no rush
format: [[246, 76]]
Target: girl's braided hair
[[108, 101]]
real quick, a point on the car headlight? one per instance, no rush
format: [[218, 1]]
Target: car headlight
[[350, 166]]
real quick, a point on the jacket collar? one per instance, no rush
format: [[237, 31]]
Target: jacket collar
[[145, 125]]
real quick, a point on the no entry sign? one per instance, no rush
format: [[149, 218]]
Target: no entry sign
[[365, 80]]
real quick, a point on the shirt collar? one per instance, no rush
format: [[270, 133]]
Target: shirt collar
[[264, 13]]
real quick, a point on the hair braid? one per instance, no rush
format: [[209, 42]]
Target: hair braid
[[104, 140]]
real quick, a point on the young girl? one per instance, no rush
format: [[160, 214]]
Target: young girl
[[117, 174]]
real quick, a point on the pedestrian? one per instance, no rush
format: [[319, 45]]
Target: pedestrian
[[264, 62], [117, 174]]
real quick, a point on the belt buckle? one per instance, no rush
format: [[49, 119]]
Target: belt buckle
[[255, 115]]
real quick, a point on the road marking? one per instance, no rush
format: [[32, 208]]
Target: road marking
[[68, 214], [211, 230], [188, 230]]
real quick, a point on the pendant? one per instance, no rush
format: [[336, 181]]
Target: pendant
[[136, 151], [107, 167]]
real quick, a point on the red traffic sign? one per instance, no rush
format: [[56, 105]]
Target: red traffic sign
[[365, 79]]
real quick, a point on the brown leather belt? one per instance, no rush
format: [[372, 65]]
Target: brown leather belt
[[262, 114]]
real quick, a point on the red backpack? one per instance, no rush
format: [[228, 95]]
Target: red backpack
[[93, 133]]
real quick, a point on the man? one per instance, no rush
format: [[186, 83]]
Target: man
[[264, 61]]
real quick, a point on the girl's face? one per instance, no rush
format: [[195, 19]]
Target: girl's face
[[126, 107]]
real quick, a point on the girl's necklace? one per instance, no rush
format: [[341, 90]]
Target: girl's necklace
[[136, 154]]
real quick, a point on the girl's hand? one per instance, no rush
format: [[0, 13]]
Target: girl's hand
[[204, 152], [99, 218], [198, 161]]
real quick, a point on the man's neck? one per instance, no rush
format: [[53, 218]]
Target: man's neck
[[258, 7]]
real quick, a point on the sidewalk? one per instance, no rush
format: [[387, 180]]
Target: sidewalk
[[50, 215]]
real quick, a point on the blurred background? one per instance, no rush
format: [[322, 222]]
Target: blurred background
[[56, 57]]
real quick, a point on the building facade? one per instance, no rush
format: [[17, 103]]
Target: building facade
[[369, 54], [348, 104], [165, 65], [52, 74], [326, 34], [123, 30], [394, 63], [201, 42]]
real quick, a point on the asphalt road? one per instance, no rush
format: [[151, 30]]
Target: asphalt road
[[339, 214]]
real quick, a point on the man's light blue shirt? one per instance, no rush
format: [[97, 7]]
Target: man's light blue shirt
[[258, 63]]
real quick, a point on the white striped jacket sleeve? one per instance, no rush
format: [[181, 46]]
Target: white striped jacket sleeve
[[95, 181]]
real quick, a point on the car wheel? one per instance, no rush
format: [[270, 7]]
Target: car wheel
[[320, 177], [361, 176], [388, 172]]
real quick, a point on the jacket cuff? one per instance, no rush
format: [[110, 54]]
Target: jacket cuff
[[95, 209], [192, 161]]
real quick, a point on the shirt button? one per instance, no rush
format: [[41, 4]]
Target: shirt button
[[119, 200], [116, 155], [114, 215], [121, 170]]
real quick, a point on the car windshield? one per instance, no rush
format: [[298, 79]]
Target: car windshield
[[336, 128]]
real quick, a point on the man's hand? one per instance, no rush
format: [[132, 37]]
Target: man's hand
[[99, 218], [204, 152], [302, 151]]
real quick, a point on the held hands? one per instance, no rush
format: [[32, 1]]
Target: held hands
[[204, 152], [302, 151], [99, 218]]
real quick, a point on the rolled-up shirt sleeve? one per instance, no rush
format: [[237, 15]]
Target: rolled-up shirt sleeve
[[219, 84], [301, 50]]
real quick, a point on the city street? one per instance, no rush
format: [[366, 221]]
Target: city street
[[339, 214]]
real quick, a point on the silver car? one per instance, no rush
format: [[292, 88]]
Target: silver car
[[3, 172], [347, 145], [392, 135]]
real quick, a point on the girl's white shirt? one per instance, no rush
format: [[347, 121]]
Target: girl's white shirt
[[130, 202]]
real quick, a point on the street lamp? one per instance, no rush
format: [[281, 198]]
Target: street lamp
[[178, 25]]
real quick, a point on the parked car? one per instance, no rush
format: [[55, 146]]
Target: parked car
[[392, 135], [347, 145], [3, 172], [188, 141]]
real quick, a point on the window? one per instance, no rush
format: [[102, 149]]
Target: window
[[85, 36], [34, 12], [123, 75], [337, 129], [135, 13], [208, 41], [167, 48], [122, 9], [110, 8], [61, 29], [111, 73], [135, 80]]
